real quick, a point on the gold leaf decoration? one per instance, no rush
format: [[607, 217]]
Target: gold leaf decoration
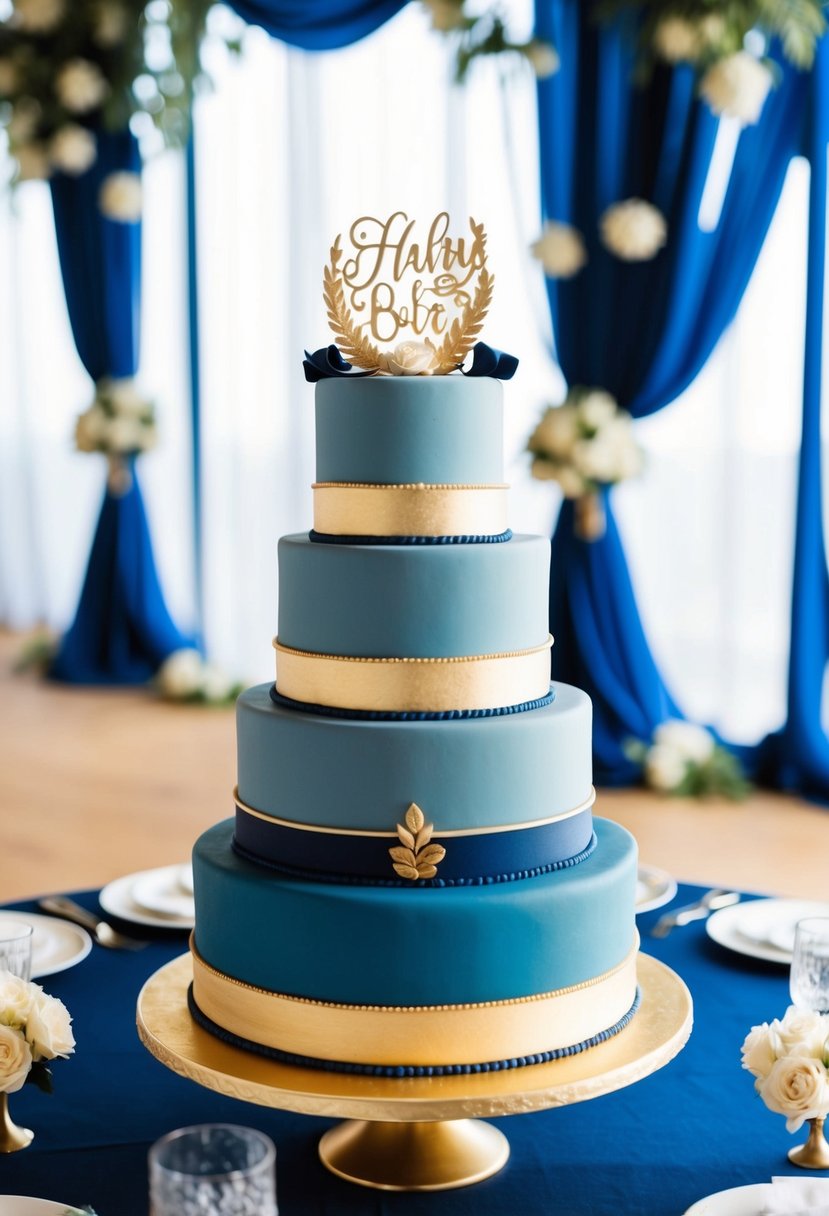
[[355, 347], [415, 857], [463, 332]]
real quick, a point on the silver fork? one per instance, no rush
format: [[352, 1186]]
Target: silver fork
[[699, 910], [104, 934]]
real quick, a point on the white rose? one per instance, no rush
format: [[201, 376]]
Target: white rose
[[32, 162], [124, 435], [560, 249], [446, 15], [121, 197], [15, 1060], [556, 433], [73, 149], [759, 1051], [180, 675], [737, 86], [571, 482], [16, 999], [597, 459], [9, 77], [90, 429], [411, 359], [111, 24], [802, 1032], [596, 409], [676, 40], [80, 86], [665, 768], [125, 397], [796, 1087], [543, 58], [693, 742], [49, 1028], [633, 229], [38, 16], [23, 123]]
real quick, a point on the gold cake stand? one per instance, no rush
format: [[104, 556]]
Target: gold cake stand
[[415, 1133]]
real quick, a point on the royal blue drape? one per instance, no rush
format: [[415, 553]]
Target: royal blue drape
[[318, 25], [122, 629], [642, 331]]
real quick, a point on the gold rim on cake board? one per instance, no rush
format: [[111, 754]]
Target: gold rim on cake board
[[415, 1133]]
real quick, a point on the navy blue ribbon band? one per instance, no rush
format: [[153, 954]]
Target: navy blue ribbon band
[[471, 859], [407, 715], [327, 538], [327, 362]]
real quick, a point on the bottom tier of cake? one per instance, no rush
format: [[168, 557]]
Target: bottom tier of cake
[[418, 980]]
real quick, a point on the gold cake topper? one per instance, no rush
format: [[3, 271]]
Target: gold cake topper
[[428, 298], [415, 857]]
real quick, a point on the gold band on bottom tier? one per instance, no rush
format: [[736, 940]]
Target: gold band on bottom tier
[[487, 681], [357, 509], [422, 1035]]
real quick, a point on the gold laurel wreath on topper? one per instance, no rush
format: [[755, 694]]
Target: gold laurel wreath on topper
[[457, 342], [415, 857]]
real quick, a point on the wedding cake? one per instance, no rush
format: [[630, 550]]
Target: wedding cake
[[414, 882]]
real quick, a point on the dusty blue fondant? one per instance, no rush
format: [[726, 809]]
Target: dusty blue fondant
[[411, 715], [464, 773], [395, 430], [418, 946], [410, 601]]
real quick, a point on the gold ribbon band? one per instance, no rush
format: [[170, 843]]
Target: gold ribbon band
[[422, 1035], [488, 681], [345, 509]]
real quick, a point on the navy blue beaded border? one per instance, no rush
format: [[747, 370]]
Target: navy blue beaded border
[[405, 1070], [354, 880], [327, 538], [383, 715]]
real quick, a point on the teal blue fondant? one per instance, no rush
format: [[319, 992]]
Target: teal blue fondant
[[419, 946], [393, 430], [412, 601], [472, 773]]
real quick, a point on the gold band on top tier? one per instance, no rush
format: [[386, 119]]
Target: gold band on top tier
[[358, 509], [423, 1034], [422, 685]]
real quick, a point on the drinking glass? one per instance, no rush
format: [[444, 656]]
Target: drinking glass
[[809, 976], [213, 1169], [16, 948]]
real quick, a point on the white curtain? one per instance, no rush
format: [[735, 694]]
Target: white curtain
[[290, 149]]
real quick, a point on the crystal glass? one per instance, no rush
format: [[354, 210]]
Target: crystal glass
[[809, 976], [16, 948], [214, 1169]]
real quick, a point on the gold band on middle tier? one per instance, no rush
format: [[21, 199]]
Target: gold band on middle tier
[[356, 509], [421, 685]]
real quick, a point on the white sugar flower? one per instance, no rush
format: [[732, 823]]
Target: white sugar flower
[[9, 77], [801, 1032], [90, 429], [797, 1087], [737, 86], [446, 15], [411, 359], [633, 229], [596, 408], [759, 1051], [694, 743], [111, 25], [80, 86], [181, 673], [543, 58], [560, 249], [16, 999], [73, 149], [665, 768], [32, 162], [121, 197], [556, 433], [676, 40], [38, 16], [24, 119], [49, 1028], [15, 1060]]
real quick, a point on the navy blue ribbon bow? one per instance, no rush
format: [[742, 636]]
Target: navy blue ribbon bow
[[327, 362]]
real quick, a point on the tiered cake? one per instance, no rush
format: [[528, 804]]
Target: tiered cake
[[414, 882]]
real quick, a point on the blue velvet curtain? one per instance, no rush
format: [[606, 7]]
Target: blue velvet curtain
[[122, 630], [318, 25], [642, 331]]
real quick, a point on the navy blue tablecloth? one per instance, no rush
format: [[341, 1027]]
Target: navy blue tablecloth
[[691, 1129]]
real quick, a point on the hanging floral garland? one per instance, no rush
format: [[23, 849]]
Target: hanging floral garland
[[485, 33]]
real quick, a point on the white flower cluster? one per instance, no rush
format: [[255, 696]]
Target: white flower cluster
[[788, 1059], [633, 229], [33, 1027], [677, 746], [121, 197], [185, 676], [120, 421], [586, 443], [560, 249]]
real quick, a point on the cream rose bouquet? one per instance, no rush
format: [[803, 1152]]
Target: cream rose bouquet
[[35, 1028], [788, 1059], [685, 759]]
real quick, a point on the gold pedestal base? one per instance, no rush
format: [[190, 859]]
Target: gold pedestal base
[[414, 1156], [12, 1137], [814, 1154], [415, 1133]]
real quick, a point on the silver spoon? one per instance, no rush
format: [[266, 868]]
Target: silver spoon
[[104, 934]]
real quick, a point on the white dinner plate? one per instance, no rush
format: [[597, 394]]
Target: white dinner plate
[[653, 888], [56, 944], [26, 1205], [118, 899], [162, 892], [738, 1201], [762, 928]]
